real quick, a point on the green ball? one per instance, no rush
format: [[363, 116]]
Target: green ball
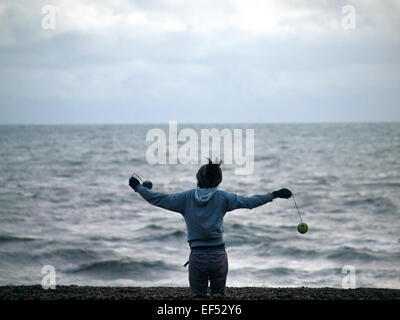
[[302, 227], [148, 184]]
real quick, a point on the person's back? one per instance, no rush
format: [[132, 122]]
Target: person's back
[[203, 209]]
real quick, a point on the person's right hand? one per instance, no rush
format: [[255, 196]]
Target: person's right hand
[[282, 193], [133, 182]]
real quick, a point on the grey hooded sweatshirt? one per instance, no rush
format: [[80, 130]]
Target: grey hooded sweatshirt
[[203, 210]]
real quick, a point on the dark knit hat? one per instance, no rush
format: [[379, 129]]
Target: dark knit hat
[[209, 175]]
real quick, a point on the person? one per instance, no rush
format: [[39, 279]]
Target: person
[[203, 209]]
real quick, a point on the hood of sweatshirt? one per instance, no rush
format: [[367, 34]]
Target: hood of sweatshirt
[[202, 196]]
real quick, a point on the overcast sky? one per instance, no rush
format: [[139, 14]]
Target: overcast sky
[[129, 61]]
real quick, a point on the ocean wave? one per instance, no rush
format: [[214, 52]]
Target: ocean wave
[[239, 240], [153, 226], [10, 238], [348, 254], [318, 181], [101, 201], [382, 184], [116, 269], [381, 204], [73, 163], [264, 158], [297, 252], [279, 271], [137, 161], [171, 235], [71, 254], [265, 273], [106, 238]]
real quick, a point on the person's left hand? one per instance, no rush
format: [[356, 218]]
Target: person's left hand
[[133, 182], [282, 193]]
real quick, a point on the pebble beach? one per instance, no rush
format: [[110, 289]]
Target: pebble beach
[[72, 292]]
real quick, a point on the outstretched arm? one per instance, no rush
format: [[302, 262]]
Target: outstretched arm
[[174, 201], [234, 201]]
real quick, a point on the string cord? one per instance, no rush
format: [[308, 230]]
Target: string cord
[[135, 175], [298, 212]]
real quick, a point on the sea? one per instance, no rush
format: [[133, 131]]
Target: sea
[[65, 202]]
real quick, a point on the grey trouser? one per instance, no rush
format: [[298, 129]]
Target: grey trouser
[[208, 264]]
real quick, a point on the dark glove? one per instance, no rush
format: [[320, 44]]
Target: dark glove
[[282, 193], [133, 182]]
